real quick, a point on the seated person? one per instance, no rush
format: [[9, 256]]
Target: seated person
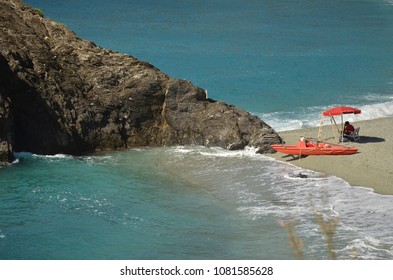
[[348, 130]]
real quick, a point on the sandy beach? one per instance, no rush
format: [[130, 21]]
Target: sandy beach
[[370, 167]]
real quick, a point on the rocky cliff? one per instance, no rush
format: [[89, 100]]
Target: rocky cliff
[[63, 94]]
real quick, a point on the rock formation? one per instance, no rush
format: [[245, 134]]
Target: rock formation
[[63, 94]]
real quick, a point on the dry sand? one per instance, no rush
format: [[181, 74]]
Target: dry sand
[[370, 167]]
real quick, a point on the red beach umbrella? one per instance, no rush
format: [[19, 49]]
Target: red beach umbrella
[[338, 111]]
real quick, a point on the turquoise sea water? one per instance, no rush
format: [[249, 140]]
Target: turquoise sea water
[[285, 61]]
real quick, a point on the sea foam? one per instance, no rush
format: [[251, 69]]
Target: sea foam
[[311, 117]]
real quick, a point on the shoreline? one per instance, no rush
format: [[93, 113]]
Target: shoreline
[[370, 167]]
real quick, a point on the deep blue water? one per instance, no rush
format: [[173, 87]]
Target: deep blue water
[[285, 61], [278, 59]]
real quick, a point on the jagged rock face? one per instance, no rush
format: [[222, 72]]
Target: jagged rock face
[[5, 131], [62, 94]]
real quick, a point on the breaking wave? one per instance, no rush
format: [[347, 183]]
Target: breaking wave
[[311, 117]]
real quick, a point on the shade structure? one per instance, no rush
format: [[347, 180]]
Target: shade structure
[[338, 111]]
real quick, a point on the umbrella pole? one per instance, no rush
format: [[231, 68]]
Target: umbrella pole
[[342, 127], [333, 120]]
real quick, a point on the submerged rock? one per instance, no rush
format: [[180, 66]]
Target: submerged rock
[[62, 94]]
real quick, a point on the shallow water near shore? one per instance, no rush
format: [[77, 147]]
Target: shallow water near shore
[[285, 61], [182, 203]]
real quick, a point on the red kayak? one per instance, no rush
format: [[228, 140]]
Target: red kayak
[[308, 148]]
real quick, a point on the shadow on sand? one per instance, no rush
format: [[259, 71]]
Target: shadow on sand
[[370, 139], [293, 157]]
